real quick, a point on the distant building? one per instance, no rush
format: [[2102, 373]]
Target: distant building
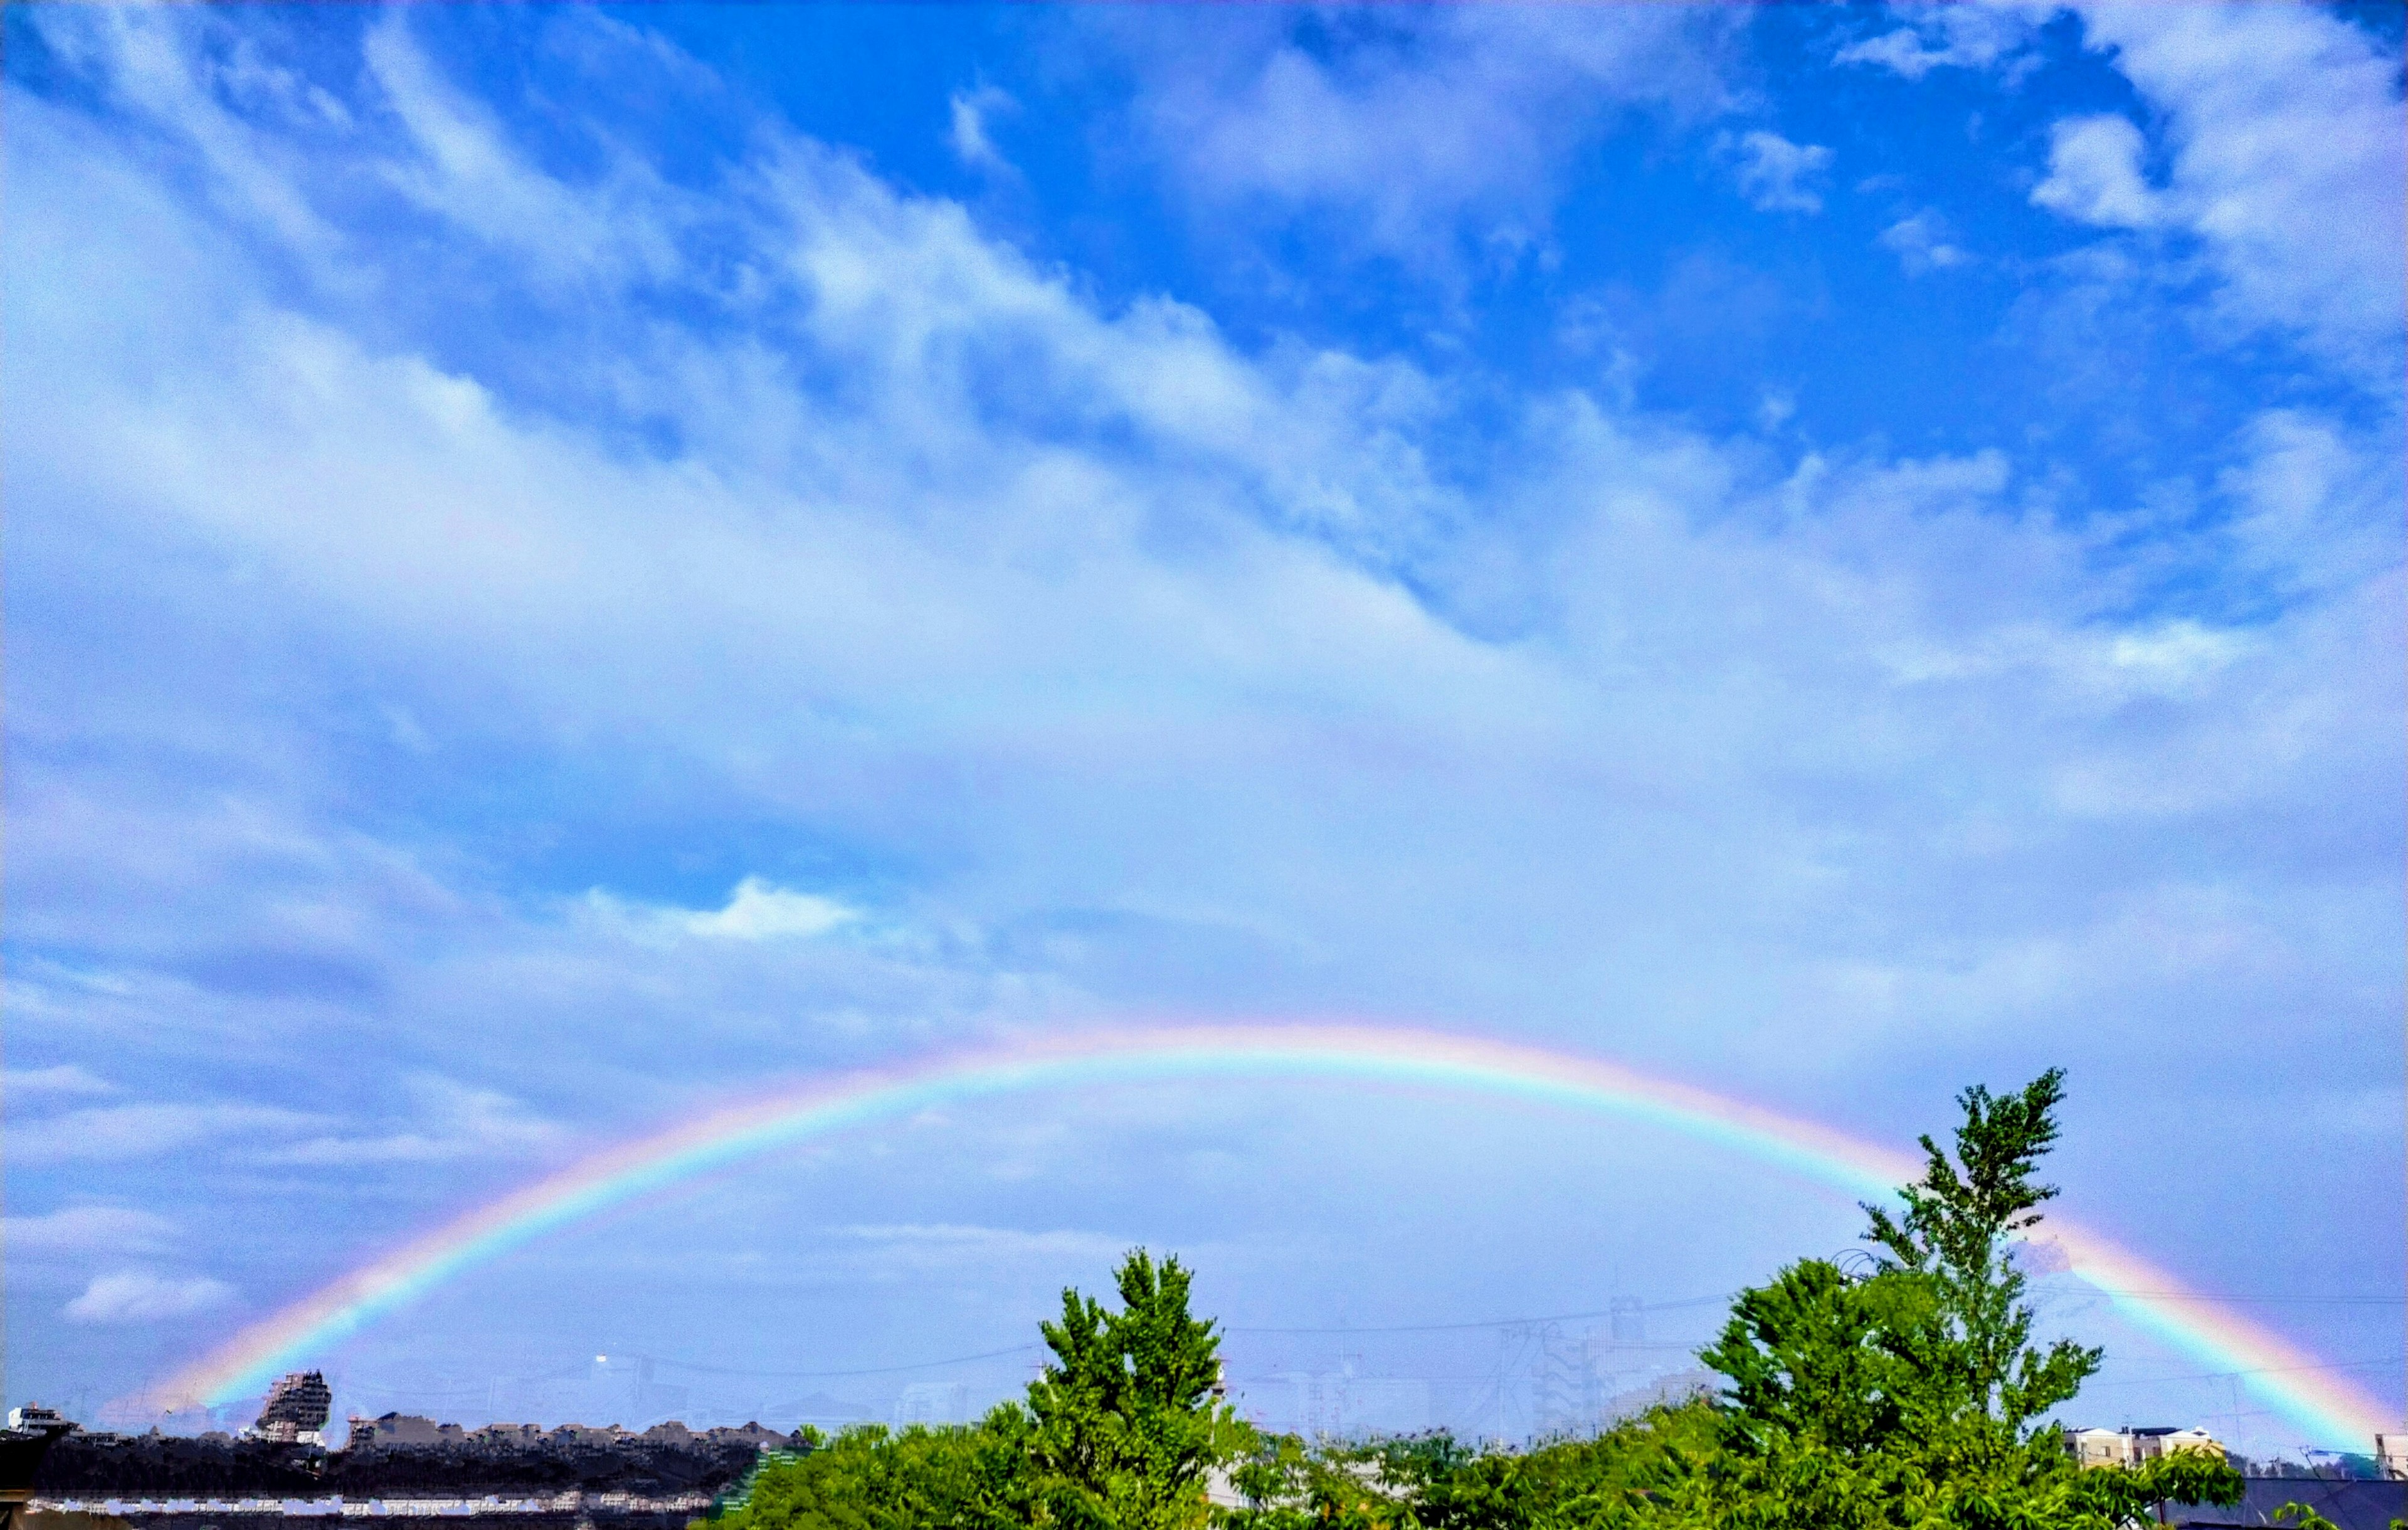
[[297, 1410], [2151, 1444], [587, 1433], [818, 1410], [932, 1402], [403, 1429], [35, 1416], [2391, 1454], [750, 1434], [2099, 1447], [2131, 1447], [1341, 1405]]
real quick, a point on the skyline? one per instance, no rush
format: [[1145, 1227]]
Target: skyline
[[565, 562]]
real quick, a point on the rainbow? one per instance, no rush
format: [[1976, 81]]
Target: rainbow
[[2306, 1393]]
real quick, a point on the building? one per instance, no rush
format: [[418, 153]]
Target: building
[[818, 1411], [403, 1429], [933, 1402], [1340, 1405], [2391, 1454], [297, 1410], [2152, 1444], [2099, 1447], [2129, 1447]]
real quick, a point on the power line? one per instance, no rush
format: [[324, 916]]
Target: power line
[[1559, 1317], [1727, 1295], [2258, 1370], [1494, 1323], [805, 1375]]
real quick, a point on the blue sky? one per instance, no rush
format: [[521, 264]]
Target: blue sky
[[565, 561]]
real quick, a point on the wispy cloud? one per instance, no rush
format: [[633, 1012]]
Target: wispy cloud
[[90, 1229], [2268, 118], [971, 111], [2094, 174], [1923, 242], [447, 1120], [1778, 176], [2273, 118], [135, 1296], [755, 911], [1401, 127], [1967, 37], [105, 1133], [65, 1078]]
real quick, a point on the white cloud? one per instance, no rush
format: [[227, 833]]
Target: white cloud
[[464, 169], [1778, 176], [1962, 37], [90, 1229], [1408, 122], [67, 1078], [2283, 126], [758, 910], [148, 62], [2314, 509], [1922, 242], [971, 111], [2281, 132], [131, 1296], [1160, 577], [2094, 173], [2181, 652], [447, 1120], [148, 1131], [755, 911]]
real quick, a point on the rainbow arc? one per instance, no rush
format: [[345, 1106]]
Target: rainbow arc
[[2305, 1392]]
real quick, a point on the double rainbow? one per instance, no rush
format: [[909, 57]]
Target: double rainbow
[[2308, 1394]]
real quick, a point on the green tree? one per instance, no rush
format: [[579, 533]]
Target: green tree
[[1288, 1485], [1912, 1394], [1979, 1378], [1436, 1482], [868, 1478], [1125, 1425]]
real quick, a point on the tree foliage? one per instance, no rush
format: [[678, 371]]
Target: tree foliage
[[868, 1478], [1909, 1396], [1914, 1396], [1126, 1423], [1436, 1482]]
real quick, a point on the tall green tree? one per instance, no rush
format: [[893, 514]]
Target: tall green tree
[[1978, 1372], [1125, 1425], [1912, 1394]]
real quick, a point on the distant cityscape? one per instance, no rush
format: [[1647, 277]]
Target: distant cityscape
[[299, 1406], [1509, 1380], [663, 1475]]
